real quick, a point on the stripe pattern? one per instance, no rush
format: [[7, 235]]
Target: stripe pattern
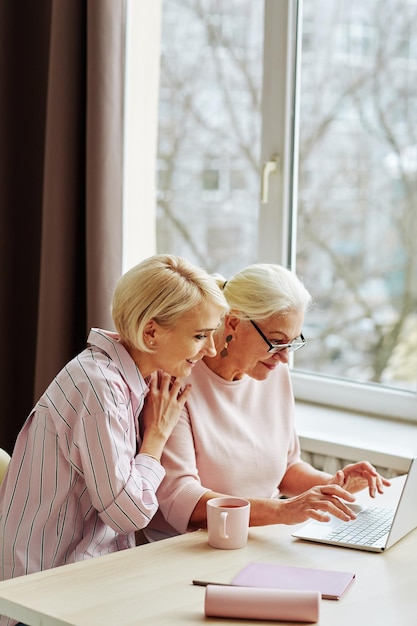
[[76, 487]]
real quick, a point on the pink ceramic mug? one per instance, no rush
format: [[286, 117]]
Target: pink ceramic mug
[[228, 522]]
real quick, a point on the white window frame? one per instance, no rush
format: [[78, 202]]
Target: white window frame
[[142, 59]]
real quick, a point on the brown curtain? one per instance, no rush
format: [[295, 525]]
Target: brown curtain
[[61, 170]]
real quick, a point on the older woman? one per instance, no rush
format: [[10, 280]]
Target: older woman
[[84, 472], [236, 434]]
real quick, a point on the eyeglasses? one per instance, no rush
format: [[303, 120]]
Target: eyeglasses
[[295, 344]]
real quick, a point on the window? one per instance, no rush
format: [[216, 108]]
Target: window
[[354, 211], [319, 95], [212, 88]]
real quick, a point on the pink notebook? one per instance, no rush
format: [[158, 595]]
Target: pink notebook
[[331, 584]]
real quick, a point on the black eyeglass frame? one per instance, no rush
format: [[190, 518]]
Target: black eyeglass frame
[[294, 345]]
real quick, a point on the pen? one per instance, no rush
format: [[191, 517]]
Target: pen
[[204, 583]]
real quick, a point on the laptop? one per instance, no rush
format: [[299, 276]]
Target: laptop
[[375, 529]]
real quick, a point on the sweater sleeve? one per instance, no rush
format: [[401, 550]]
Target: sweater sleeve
[[181, 488]]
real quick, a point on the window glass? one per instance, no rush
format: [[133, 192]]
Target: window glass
[[209, 132], [356, 168], [357, 191]]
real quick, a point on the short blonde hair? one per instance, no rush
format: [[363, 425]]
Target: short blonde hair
[[264, 289], [164, 288]]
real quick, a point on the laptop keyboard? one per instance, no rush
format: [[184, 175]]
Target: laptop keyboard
[[369, 526]]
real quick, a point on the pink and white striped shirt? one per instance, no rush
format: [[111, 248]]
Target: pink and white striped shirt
[[76, 487]]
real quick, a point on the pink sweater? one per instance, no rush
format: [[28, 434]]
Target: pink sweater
[[234, 437]]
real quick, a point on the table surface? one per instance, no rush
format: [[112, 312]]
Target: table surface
[[152, 584]]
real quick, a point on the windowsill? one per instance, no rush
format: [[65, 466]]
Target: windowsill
[[330, 431]]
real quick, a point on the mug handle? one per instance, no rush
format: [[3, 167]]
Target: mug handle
[[222, 525]]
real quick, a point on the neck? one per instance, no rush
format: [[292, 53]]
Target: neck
[[223, 367], [143, 360]]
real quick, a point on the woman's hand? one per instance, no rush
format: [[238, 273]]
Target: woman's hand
[[162, 409], [317, 503], [358, 476]]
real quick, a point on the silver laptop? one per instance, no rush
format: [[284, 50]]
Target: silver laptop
[[375, 529]]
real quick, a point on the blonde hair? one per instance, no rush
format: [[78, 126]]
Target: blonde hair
[[264, 289], [164, 288]]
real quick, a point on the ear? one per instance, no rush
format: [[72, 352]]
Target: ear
[[149, 331], [231, 322]]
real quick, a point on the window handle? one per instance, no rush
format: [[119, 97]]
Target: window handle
[[269, 168]]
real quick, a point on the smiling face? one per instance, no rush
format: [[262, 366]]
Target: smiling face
[[176, 350], [248, 351]]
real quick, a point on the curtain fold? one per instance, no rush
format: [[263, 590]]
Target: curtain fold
[[61, 187]]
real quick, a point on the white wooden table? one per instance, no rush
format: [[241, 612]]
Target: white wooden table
[[152, 584]]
